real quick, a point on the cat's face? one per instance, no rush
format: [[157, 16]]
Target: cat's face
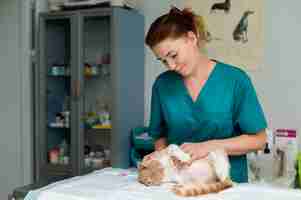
[[158, 168], [151, 173]]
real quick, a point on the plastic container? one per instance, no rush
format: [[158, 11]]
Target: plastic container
[[265, 163]]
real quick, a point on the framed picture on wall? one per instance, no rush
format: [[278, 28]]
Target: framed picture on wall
[[235, 30]]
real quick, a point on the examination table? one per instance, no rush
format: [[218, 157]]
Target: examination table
[[121, 184]]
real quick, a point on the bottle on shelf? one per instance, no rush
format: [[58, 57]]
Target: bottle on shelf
[[103, 114], [63, 153]]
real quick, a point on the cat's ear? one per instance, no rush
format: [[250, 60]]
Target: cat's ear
[[148, 157], [145, 163], [141, 166]]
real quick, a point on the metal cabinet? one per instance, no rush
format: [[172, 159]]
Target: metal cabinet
[[89, 90]]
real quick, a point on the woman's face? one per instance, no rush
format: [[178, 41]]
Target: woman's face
[[178, 54]]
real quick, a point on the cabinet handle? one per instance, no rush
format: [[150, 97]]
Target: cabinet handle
[[76, 88]]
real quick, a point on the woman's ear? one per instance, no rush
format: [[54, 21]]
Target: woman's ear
[[192, 37]]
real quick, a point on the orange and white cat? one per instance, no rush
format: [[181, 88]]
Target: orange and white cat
[[191, 178]]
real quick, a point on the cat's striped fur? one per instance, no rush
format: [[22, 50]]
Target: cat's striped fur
[[199, 188]]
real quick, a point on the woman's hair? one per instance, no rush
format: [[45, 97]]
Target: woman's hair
[[175, 24]]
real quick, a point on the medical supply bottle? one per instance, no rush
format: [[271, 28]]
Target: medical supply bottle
[[266, 164]]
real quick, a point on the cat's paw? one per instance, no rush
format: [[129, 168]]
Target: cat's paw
[[221, 163], [179, 164], [176, 151]]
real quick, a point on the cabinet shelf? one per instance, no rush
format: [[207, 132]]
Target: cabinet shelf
[[91, 75], [58, 127], [105, 164], [58, 169], [99, 126], [59, 76]]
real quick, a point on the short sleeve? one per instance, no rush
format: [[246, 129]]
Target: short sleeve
[[157, 123], [248, 113]]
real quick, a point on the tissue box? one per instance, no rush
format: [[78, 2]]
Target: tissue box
[[286, 141]]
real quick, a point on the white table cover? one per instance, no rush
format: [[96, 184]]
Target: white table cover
[[121, 184]]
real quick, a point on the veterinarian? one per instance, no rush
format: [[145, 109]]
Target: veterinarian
[[198, 103]]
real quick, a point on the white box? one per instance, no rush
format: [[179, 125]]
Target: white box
[[128, 3]]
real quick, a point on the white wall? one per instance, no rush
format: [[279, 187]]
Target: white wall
[[278, 81], [15, 106]]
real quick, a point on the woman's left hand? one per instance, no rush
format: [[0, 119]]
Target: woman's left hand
[[198, 150]]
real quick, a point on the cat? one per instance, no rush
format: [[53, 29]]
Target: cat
[[191, 178]]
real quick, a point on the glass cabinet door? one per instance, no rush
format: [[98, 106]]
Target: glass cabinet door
[[97, 92], [84, 109], [56, 87]]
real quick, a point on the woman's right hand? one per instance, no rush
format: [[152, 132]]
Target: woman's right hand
[[160, 144]]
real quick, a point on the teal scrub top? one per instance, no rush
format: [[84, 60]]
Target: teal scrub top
[[227, 106]]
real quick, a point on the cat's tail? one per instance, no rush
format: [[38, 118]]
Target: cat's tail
[[196, 189]]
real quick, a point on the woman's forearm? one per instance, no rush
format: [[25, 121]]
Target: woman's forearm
[[243, 144]]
